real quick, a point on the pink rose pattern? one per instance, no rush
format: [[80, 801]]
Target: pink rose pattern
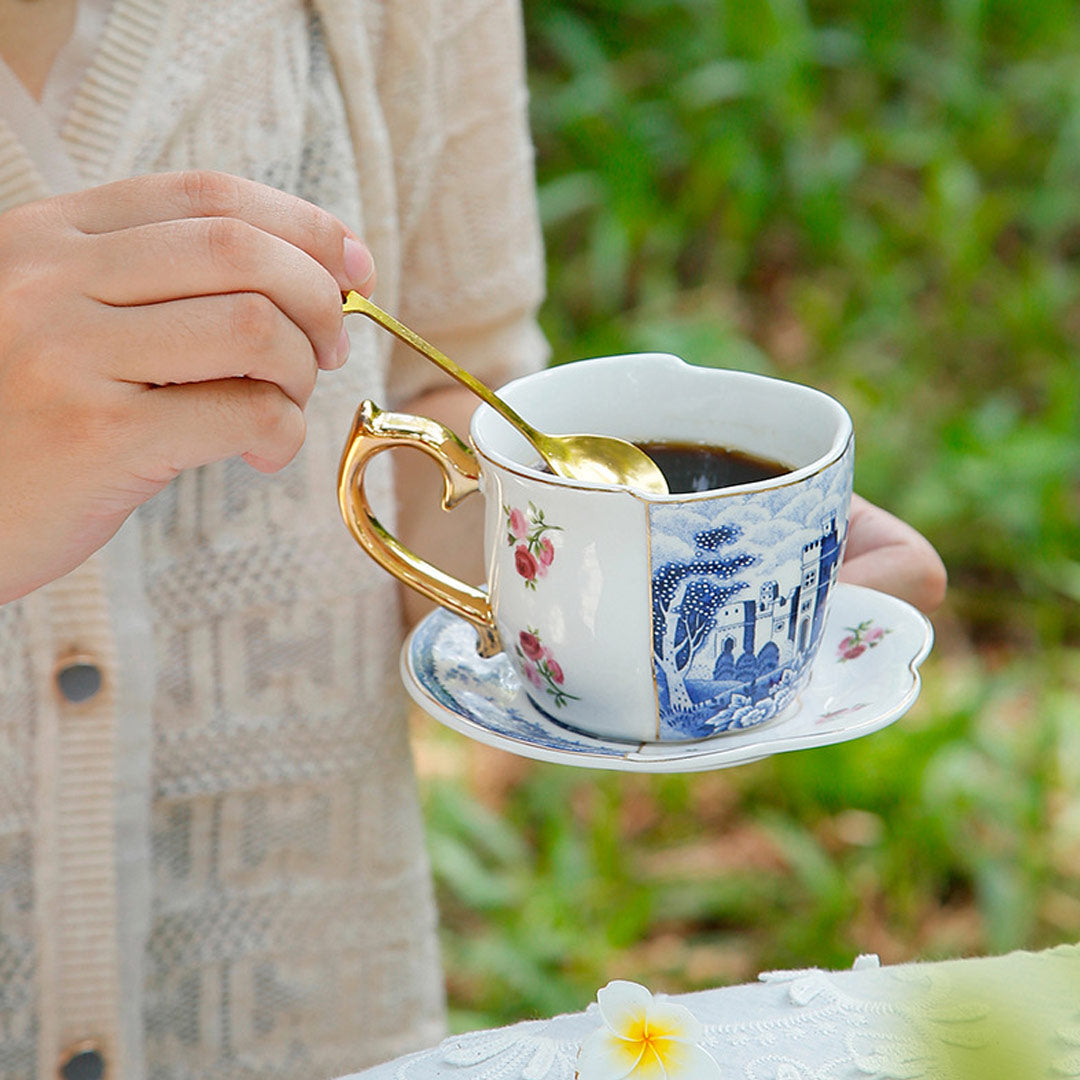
[[526, 565], [860, 638], [540, 667], [533, 550]]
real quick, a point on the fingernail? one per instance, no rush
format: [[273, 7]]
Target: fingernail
[[359, 265], [342, 352]]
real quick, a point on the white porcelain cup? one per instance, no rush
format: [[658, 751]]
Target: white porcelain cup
[[628, 615]]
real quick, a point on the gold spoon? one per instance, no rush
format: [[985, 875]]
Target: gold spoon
[[593, 458]]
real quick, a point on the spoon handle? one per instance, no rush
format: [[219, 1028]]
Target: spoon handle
[[355, 302]]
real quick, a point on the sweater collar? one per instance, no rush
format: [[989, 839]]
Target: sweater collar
[[98, 130], [43, 153]]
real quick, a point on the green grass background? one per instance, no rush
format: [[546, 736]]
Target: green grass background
[[880, 198]]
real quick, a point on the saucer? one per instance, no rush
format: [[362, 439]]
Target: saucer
[[865, 678]]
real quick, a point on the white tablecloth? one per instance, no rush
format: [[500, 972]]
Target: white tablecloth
[[1012, 1017]]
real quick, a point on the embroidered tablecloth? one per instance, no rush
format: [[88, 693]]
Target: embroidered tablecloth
[[1013, 1017]]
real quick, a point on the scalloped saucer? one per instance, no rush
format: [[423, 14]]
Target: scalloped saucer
[[865, 678]]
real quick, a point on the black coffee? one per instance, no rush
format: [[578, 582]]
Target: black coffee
[[693, 467]]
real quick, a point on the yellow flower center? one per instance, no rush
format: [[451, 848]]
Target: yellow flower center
[[655, 1047]]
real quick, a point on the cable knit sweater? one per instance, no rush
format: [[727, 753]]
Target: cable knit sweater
[[212, 865]]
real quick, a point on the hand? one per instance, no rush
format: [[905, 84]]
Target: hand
[[146, 327], [888, 554]]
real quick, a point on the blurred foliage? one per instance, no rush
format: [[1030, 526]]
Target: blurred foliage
[[881, 198]]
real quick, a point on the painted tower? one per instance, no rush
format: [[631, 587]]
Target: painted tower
[[789, 623]]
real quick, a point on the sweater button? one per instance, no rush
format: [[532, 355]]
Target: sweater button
[[78, 679], [84, 1061]]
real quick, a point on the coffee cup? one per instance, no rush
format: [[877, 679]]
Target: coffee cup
[[629, 615]]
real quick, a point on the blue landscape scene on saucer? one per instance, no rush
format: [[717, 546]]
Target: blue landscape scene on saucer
[[443, 657]]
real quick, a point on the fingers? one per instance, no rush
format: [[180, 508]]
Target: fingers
[[170, 236], [182, 427], [208, 338], [170, 260], [146, 200], [886, 553], [147, 327]]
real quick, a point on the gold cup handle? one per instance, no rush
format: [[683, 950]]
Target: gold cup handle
[[374, 431]]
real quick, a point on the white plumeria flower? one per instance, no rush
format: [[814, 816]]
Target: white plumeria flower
[[644, 1039]]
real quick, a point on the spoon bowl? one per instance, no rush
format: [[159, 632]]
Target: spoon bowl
[[593, 459]]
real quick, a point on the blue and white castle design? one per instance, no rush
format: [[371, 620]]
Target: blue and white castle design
[[773, 629], [730, 646]]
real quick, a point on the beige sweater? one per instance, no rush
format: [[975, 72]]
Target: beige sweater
[[213, 866]]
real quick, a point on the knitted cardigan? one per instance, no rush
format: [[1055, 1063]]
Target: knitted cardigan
[[213, 866]]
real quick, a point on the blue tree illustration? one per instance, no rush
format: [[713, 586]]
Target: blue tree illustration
[[697, 616], [686, 597]]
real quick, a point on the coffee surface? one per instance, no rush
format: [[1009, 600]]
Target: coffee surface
[[690, 467]]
